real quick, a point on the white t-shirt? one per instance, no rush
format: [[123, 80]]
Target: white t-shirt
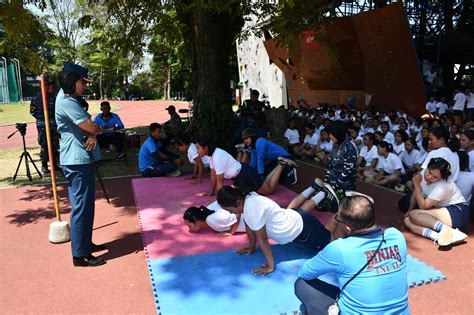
[[222, 220], [465, 184], [369, 155], [224, 163], [422, 157], [431, 107], [470, 100], [445, 192], [193, 153], [292, 135], [398, 148], [282, 225], [471, 161], [442, 108], [390, 164], [389, 138], [409, 159], [311, 140], [460, 99], [326, 146], [449, 156]]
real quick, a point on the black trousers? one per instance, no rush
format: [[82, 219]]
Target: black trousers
[[116, 139], [316, 295]]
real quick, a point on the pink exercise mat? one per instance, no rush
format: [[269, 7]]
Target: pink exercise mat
[[161, 203]]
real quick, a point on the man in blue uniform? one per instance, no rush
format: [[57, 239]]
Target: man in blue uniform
[[37, 111], [110, 123], [381, 287], [154, 160]]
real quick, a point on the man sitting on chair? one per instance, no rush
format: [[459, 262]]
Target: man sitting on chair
[[110, 123]]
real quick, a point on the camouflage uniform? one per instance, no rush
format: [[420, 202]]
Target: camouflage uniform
[[36, 110]]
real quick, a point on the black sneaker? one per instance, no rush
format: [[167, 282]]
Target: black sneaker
[[45, 170], [287, 162], [330, 202], [291, 177], [317, 184]]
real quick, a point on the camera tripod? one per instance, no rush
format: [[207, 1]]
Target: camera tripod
[[26, 155]]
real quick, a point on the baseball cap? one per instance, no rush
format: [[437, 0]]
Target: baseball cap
[[77, 69]]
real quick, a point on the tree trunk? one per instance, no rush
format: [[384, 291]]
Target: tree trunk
[[209, 38], [168, 83]]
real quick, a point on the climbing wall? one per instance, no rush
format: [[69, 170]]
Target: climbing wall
[[257, 72], [375, 59]]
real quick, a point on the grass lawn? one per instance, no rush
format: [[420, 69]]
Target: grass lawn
[[113, 168], [11, 113]]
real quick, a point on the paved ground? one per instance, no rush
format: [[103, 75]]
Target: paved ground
[[132, 113], [38, 277]]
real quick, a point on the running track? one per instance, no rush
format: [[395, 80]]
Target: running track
[[132, 113]]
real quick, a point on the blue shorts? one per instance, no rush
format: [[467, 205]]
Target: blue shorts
[[314, 234], [459, 214], [249, 173]]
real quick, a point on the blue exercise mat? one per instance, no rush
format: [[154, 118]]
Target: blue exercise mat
[[222, 282]]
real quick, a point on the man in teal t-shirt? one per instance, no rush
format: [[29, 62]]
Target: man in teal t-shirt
[[381, 287]]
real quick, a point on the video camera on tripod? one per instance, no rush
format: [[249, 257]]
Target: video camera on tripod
[[21, 127]]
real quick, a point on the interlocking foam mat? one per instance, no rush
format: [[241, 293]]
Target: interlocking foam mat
[[202, 274]]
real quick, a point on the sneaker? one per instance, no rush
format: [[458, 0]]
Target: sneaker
[[120, 155], [317, 185], [291, 177], [45, 170], [448, 236], [287, 162], [175, 173], [350, 193], [331, 201]]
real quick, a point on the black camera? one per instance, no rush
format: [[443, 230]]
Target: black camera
[[21, 128]]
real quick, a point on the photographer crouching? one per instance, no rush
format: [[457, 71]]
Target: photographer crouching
[[37, 111], [74, 123]]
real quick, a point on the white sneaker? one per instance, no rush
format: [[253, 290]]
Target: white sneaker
[[284, 161], [350, 193], [448, 236], [177, 172]]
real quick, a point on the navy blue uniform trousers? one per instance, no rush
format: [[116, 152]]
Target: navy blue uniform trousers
[[81, 192]]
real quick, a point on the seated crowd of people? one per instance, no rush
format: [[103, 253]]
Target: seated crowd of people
[[431, 157]]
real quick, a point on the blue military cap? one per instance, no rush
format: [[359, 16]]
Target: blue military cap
[[77, 69]]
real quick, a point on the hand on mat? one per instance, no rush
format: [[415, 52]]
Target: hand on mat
[[263, 270], [246, 250]]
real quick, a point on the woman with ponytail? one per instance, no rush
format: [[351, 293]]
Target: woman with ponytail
[[265, 219], [213, 216], [437, 207]]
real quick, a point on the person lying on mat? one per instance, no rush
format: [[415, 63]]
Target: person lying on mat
[[213, 216], [437, 207], [379, 255], [223, 165], [186, 146], [265, 219]]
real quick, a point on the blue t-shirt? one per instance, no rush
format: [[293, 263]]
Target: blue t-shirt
[[69, 114], [379, 289], [145, 157], [265, 151], [113, 121]]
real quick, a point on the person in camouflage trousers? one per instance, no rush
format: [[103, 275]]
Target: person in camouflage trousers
[[340, 178], [37, 111]]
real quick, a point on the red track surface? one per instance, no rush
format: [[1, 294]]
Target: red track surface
[[38, 277], [132, 113]]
